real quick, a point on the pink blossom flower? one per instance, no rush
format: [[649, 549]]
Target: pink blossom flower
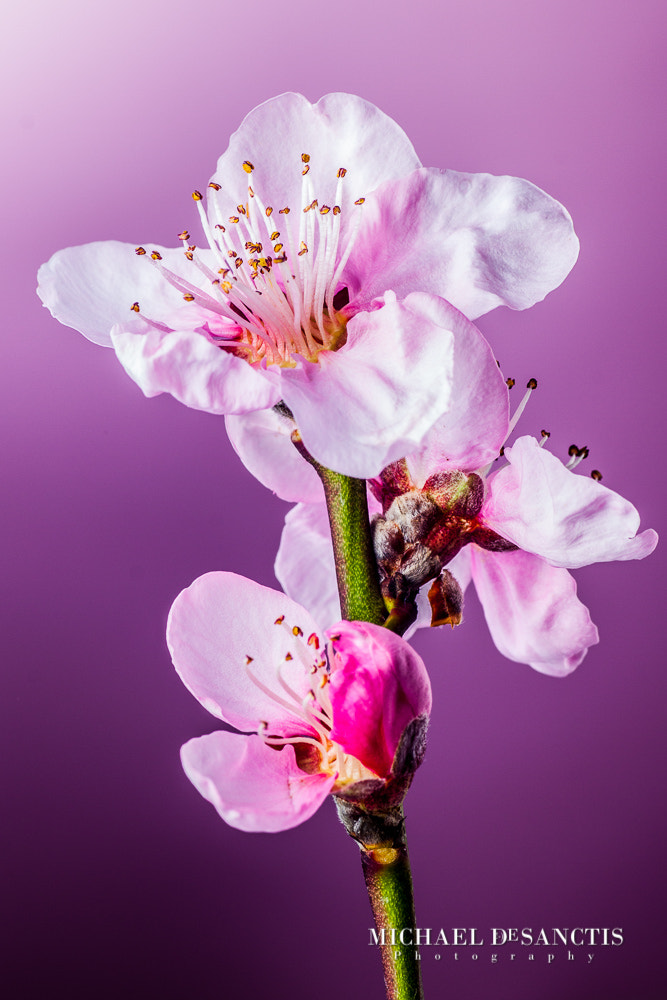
[[319, 223], [342, 711], [514, 533]]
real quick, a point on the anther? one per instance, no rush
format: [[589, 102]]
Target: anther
[[596, 474], [289, 656], [234, 218], [325, 209], [268, 211], [216, 187], [296, 630], [140, 251], [189, 254], [248, 659], [583, 452], [155, 255], [313, 640], [221, 228], [305, 170], [313, 204], [282, 211], [305, 157], [336, 210], [135, 307], [275, 235], [573, 451], [502, 451], [531, 383], [360, 201], [247, 166], [185, 235], [238, 261], [188, 297], [303, 250], [545, 434], [241, 209], [278, 247], [510, 383], [197, 195]]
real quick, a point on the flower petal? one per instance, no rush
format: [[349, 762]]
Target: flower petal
[[373, 400], [341, 130], [378, 685], [479, 241], [219, 621], [305, 565], [263, 443], [532, 610], [253, 787], [93, 287], [568, 519], [193, 370], [475, 425]]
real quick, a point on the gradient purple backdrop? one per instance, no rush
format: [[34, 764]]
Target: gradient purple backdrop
[[540, 802]]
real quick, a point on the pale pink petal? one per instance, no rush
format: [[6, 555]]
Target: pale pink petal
[[378, 685], [532, 610], [305, 565], [263, 443], [93, 287], [341, 130], [191, 368], [215, 625], [569, 519], [475, 425], [373, 400], [253, 787], [477, 240]]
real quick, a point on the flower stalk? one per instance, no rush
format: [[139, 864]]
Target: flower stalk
[[380, 835]]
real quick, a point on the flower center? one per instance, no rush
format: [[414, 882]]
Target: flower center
[[316, 752], [277, 272]]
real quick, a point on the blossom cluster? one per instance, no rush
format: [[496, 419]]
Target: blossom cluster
[[333, 302]]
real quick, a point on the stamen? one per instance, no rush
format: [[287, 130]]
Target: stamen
[[530, 387]]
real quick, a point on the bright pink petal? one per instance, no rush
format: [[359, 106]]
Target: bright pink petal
[[305, 565], [479, 241], [475, 425], [373, 400], [263, 443], [219, 621], [191, 368], [532, 610], [568, 519], [341, 130], [253, 787], [93, 287], [378, 685]]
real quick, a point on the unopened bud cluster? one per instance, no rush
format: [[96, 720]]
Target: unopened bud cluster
[[420, 531]]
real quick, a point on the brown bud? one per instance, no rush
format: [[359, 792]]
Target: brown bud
[[446, 600]]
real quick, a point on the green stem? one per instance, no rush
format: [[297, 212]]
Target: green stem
[[390, 892], [381, 835], [386, 868], [356, 569]]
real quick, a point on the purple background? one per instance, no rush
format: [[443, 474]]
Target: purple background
[[540, 800]]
